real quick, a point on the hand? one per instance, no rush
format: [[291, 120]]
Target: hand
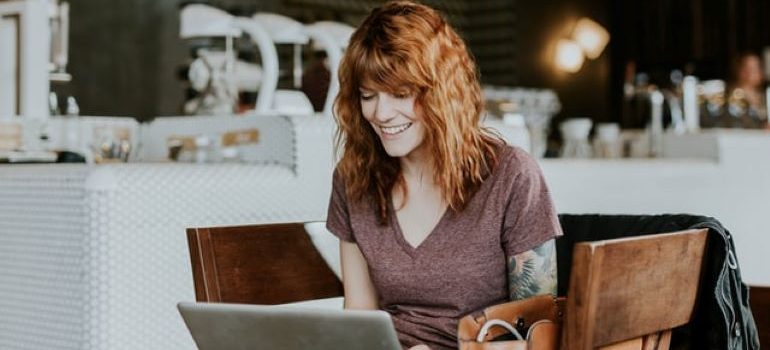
[[420, 347]]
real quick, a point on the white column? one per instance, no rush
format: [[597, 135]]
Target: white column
[[8, 66], [34, 59]]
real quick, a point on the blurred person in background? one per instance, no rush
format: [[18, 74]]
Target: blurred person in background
[[316, 79], [746, 97]]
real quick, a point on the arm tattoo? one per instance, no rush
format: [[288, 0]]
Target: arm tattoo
[[533, 272]]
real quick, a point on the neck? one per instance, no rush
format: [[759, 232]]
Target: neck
[[417, 165]]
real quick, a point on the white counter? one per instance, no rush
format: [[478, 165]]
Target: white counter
[[96, 257], [733, 186]]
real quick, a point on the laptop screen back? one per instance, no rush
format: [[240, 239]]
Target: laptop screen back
[[237, 326]]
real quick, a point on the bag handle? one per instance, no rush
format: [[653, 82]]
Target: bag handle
[[497, 322]]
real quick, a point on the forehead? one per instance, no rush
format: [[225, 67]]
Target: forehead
[[386, 86], [376, 70]]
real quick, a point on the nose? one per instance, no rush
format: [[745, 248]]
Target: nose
[[385, 109]]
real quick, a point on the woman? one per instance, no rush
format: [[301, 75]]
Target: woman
[[437, 217]]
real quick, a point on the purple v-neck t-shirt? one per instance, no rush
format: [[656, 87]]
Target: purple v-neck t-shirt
[[461, 266]]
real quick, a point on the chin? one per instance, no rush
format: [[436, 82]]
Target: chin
[[400, 149], [404, 145], [397, 152]]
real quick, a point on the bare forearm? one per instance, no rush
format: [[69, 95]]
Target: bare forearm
[[359, 291], [533, 272]]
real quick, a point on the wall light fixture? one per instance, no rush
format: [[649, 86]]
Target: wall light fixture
[[587, 40], [569, 56], [591, 37]]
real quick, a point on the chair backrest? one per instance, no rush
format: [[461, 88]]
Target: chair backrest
[[759, 298], [259, 264], [622, 290]]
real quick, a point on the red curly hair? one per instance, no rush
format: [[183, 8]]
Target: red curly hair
[[404, 44]]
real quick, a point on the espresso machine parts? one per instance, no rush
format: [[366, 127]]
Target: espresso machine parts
[[212, 73]]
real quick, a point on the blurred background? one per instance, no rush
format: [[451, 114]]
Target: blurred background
[[125, 55]]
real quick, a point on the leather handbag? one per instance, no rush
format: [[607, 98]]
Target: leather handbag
[[528, 324]]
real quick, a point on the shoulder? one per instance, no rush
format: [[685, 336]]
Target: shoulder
[[338, 179], [339, 188], [513, 161], [340, 184]]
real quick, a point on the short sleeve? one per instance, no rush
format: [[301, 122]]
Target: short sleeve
[[338, 216], [530, 215]]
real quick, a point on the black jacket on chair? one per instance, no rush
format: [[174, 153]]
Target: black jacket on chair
[[722, 319]]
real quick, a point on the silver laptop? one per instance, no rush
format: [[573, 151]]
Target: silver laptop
[[217, 326]]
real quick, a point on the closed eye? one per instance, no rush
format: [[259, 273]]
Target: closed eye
[[366, 94]]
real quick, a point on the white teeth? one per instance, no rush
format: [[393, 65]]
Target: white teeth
[[393, 130]]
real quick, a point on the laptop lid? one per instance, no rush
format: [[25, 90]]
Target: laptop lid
[[216, 326]]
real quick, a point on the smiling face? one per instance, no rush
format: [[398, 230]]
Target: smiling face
[[405, 46], [395, 120]]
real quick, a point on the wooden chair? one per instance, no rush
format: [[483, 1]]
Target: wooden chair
[[759, 298], [259, 264], [629, 293]]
